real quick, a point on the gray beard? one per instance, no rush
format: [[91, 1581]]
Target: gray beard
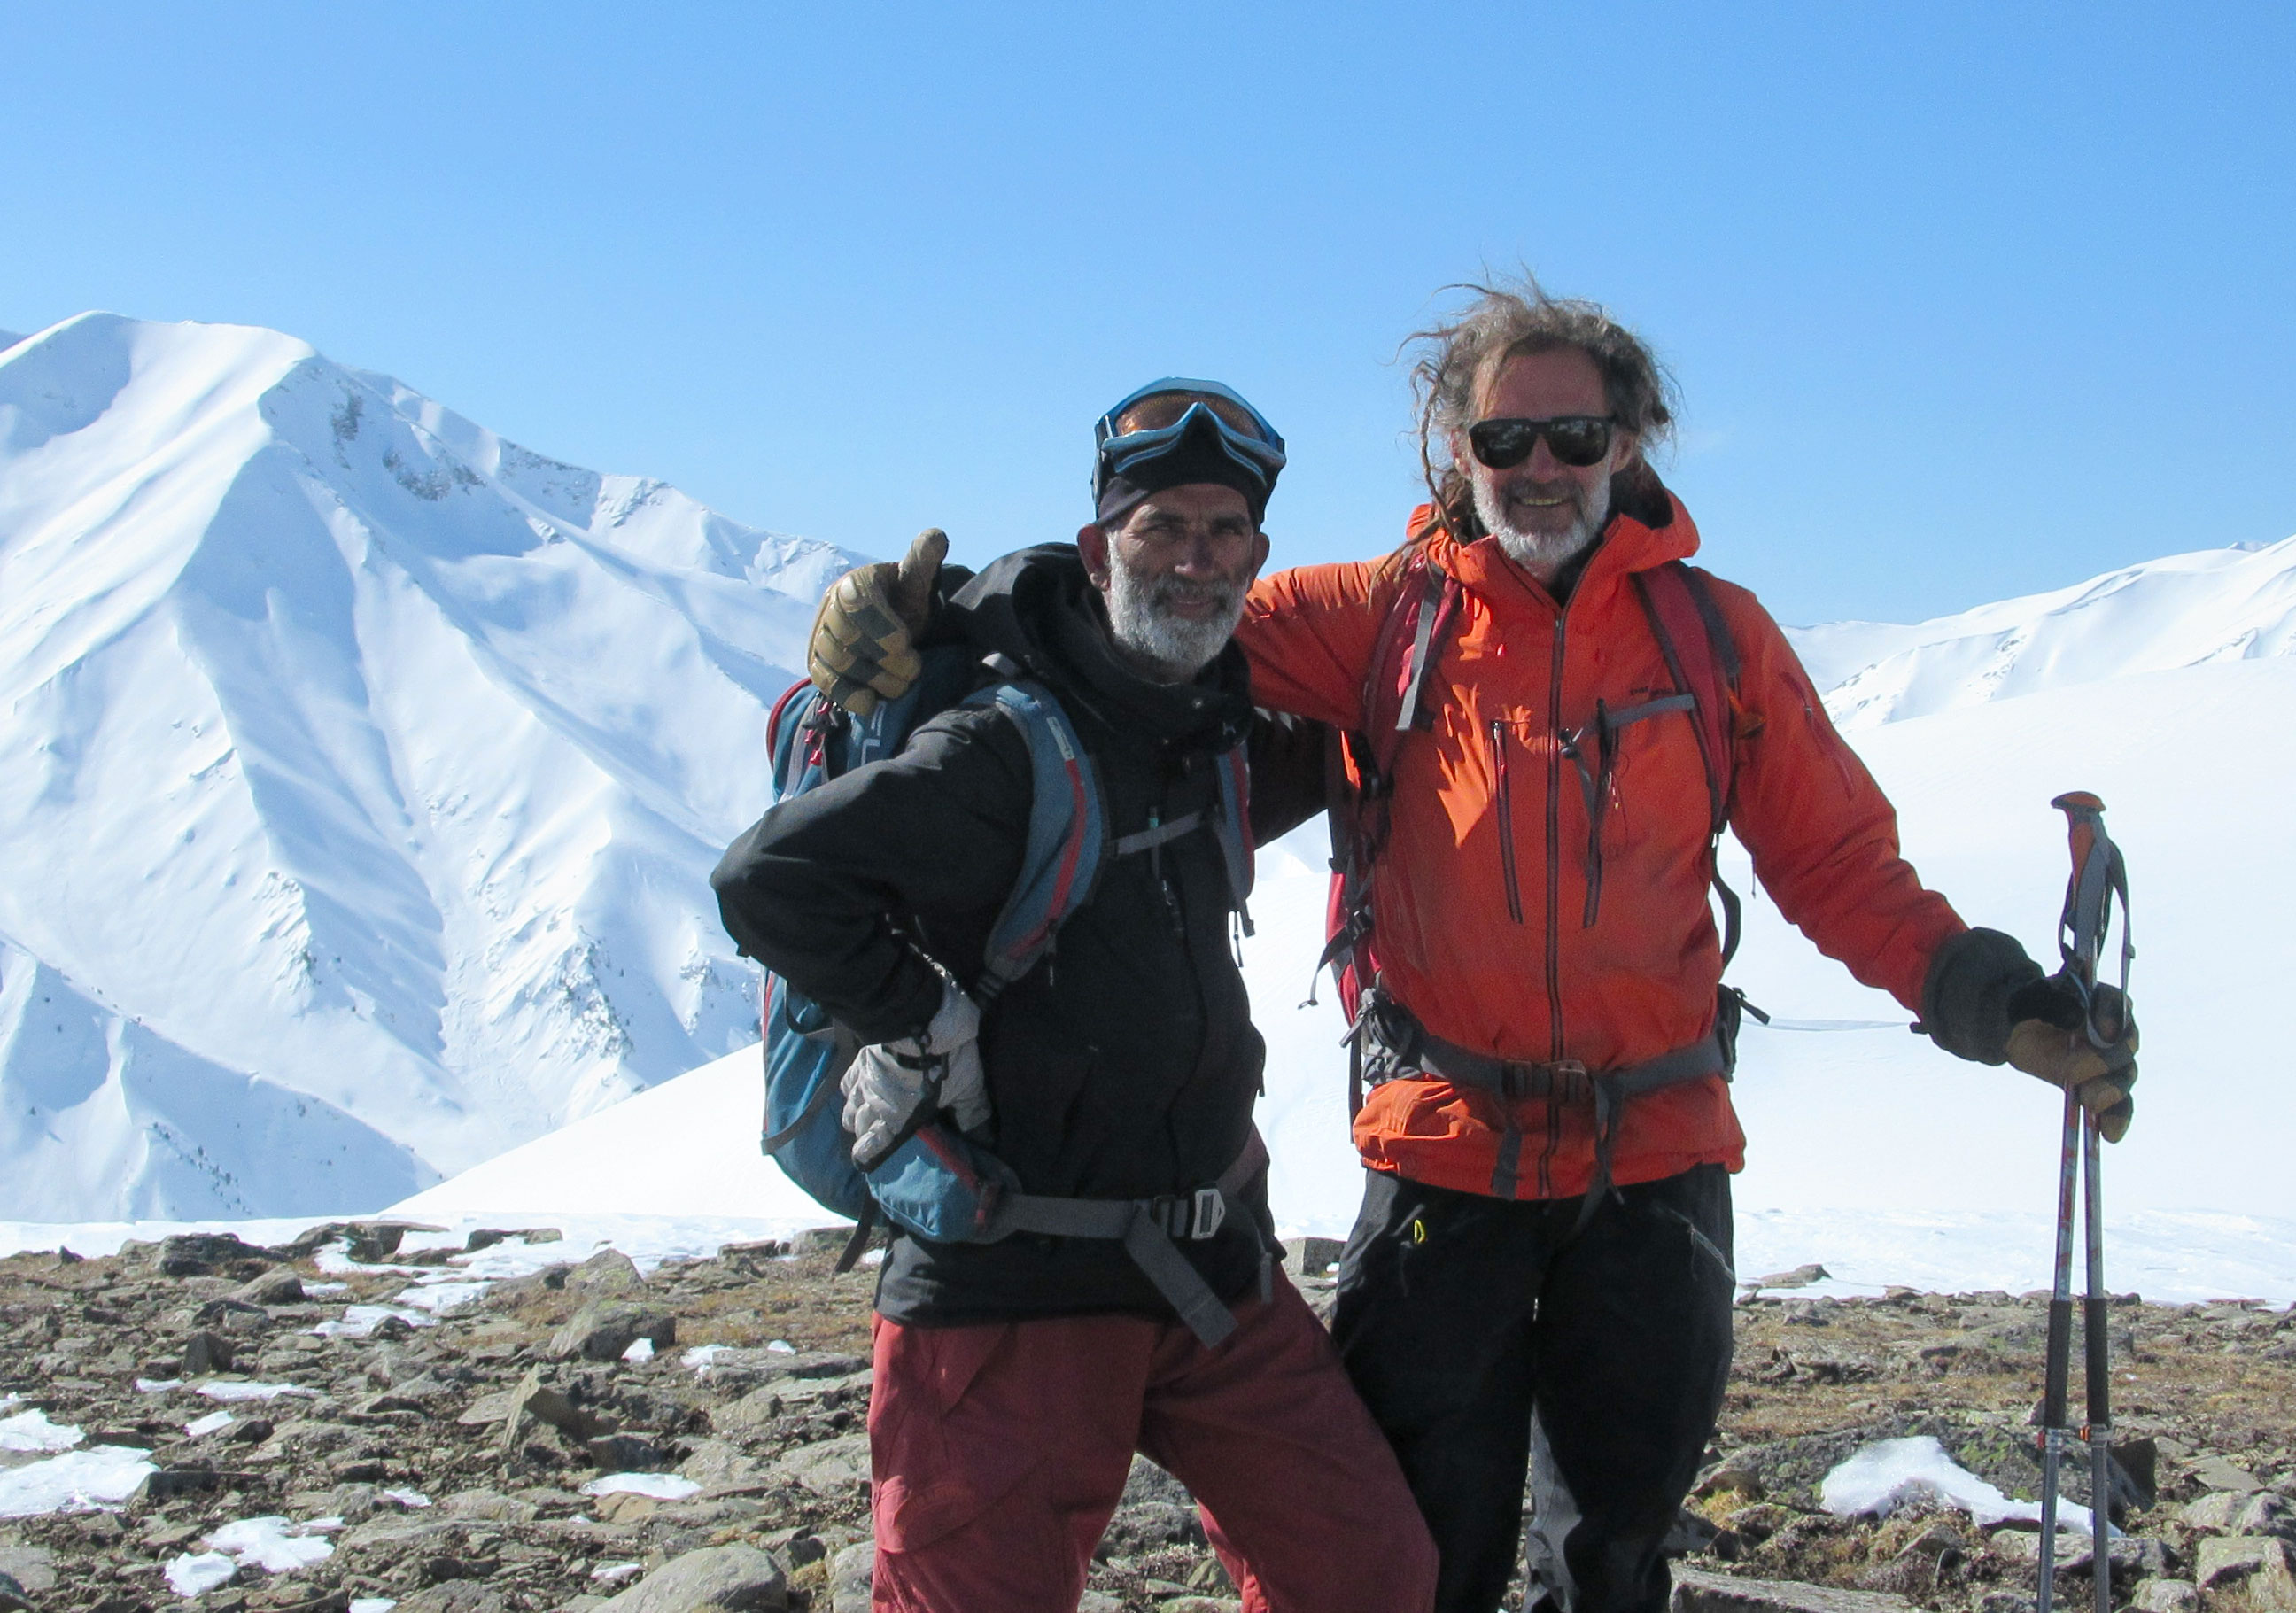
[[1540, 551], [1173, 647]]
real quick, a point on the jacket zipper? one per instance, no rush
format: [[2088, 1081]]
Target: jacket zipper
[[1506, 818], [1553, 904]]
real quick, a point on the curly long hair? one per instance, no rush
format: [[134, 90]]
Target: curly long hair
[[1505, 320]]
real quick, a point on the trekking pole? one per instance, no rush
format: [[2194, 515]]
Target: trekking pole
[[2057, 1362], [2099, 1431], [2098, 875]]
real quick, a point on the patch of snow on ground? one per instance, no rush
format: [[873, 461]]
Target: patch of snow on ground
[[359, 1321], [234, 1391], [1889, 1473], [32, 1431], [196, 1573], [96, 1479], [276, 1545], [661, 1486]]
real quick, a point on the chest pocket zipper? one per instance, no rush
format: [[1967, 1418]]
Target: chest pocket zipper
[[1600, 737], [1503, 787]]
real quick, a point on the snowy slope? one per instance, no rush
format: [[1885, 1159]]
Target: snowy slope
[[2186, 610], [355, 764]]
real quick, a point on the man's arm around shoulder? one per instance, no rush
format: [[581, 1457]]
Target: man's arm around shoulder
[[814, 889]]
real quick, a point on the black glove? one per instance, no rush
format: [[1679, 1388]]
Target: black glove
[[1986, 1000]]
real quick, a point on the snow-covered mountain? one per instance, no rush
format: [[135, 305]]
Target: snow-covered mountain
[[2216, 605], [360, 772]]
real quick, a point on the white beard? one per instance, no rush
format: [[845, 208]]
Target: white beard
[[1540, 552], [1141, 622]]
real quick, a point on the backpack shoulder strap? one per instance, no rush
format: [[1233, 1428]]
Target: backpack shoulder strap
[[1067, 832], [1703, 662], [1411, 640], [1702, 659]]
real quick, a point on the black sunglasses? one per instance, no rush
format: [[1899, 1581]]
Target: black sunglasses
[[1575, 439]]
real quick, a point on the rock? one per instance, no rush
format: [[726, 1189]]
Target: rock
[[454, 1596], [602, 1330], [1311, 1257], [1198, 1604], [1733, 1477], [822, 1240], [2165, 1596], [608, 1272], [2266, 1513], [1148, 1482], [211, 1255], [744, 1254], [1099, 1601], [13, 1597], [2133, 1556], [281, 1285], [496, 1407], [1693, 1533], [490, 1504], [623, 1453], [2136, 1472], [715, 1464], [2256, 1572], [851, 1573], [1990, 1599], [1801, 1276], [830, 1467], [205, 1353], [165, 1486], [2215, 1473], [32, 1568], [533, 1402], [372, 1242], [1150, 1526], [1697, 1592], [2213, 1512], [715, 1579], [487, 1237]]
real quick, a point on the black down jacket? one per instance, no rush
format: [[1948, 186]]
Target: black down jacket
[[1124, 1065]]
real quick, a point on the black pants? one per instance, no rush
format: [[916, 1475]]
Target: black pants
[[1491, 1345]]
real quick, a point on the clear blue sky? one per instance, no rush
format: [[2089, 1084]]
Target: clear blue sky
[[1965, 301]]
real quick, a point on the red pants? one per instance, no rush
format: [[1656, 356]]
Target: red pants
[[999, 1453]]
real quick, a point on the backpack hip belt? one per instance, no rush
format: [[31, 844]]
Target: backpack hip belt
[[1399, 1048], [1147, 1228]]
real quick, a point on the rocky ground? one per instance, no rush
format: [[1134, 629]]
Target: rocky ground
[[442, 1468]]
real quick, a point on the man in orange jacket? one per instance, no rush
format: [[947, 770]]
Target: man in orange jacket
[[1539, 1283]]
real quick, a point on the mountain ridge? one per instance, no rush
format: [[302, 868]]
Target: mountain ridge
[[416, 741]]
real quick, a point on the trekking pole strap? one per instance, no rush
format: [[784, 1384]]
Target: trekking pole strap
[[1151, 1230]]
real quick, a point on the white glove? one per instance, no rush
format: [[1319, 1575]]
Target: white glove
[[893, 1088]]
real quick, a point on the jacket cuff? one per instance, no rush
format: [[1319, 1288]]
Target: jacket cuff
[[1965, 995]]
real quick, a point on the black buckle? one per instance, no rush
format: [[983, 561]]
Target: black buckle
[[1565, 1078], [1190, 1217]]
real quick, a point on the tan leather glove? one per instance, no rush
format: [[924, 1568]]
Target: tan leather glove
[[864, 644], [2063, 1055]]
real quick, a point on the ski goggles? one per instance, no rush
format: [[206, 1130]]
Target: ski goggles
[[1158, 422], [1577, 441]]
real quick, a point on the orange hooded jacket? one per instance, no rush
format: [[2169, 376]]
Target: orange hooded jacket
[[1485, 928]]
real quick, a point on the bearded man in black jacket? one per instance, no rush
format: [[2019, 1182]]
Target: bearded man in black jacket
[[1015, 1379]]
